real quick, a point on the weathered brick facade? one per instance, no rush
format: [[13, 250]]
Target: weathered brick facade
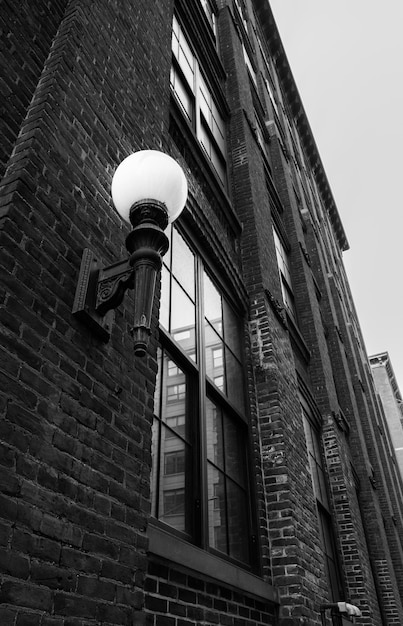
[[85, 84]]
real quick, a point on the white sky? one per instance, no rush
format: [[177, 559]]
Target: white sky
[[346, 57]]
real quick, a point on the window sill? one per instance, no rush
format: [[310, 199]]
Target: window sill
[[174, 549]]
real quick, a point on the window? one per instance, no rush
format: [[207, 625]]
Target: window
[[172, 369], [259, 133], [249, 65], [210, 14], [199, 475], [175, 462], [175, 393], [323, 508], [271, 94], [285, 276], [240, 9], [197, 101], [174, 502]]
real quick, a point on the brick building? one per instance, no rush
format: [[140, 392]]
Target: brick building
[[239, 474]]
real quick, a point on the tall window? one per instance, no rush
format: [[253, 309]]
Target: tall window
[[323, 508], [285, 276], [210, 14], [197, 101], [240, 9], [199, 476]]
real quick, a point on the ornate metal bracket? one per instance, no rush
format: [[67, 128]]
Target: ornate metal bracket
[[99, 290]]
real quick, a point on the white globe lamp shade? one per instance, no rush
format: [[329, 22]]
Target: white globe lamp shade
[[149, 175]]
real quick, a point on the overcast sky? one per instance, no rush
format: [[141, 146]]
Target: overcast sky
[[346, 57]]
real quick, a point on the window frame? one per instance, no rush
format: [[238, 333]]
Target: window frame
[[203, 112], [316, 460], [201, 391], [284, 269]]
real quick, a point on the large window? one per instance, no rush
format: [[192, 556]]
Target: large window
[[196, 99], [285, 275], [210, 14], [199, 476], [323, 508]]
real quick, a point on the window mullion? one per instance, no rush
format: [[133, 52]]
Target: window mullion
[[158, 469], [197, 101], [204, 531]]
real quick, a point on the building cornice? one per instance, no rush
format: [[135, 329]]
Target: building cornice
[[270, 30]]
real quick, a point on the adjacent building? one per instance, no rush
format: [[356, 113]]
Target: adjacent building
[[241, 473], [387, 387]]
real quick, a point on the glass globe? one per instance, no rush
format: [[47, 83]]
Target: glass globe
[[149, 175]]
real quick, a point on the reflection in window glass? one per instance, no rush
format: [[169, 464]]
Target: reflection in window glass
[[228, 522], [171, 449], [212, 304], [208, 9], [178, 295], [183, 264], [233, 374], [182, 93], [232, 330], [197, 99], [199, 437], [174, 502], [217, 358], [182, 311], [283, 263]]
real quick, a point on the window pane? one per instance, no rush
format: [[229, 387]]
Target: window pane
[[234, 445], [234, 380], [212, 304], [183, 264], [175, 37], [183, 53], [218, 128], [174, 503], [214, 434], [171, 454], [186, 61], [218, 163], [214, 356], [173, 465], [205, 100], [177, 425], [232, 329], [237, 522], [183, 318], [217, 514], [208, 9], [182, 93]]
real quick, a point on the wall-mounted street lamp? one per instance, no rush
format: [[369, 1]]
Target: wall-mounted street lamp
[[339, 608], [149, 190]]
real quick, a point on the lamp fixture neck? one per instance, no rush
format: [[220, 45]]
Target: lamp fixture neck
[[149, 211]]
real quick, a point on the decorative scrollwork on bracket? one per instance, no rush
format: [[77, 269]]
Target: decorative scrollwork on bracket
[[111, 290]]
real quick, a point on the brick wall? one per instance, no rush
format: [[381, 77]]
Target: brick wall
[[75, 413], [290, 516], [28, 30], [175, 598]]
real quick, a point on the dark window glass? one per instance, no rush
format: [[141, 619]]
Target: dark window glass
[[196, 98], [323, 508], [199, 475]]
